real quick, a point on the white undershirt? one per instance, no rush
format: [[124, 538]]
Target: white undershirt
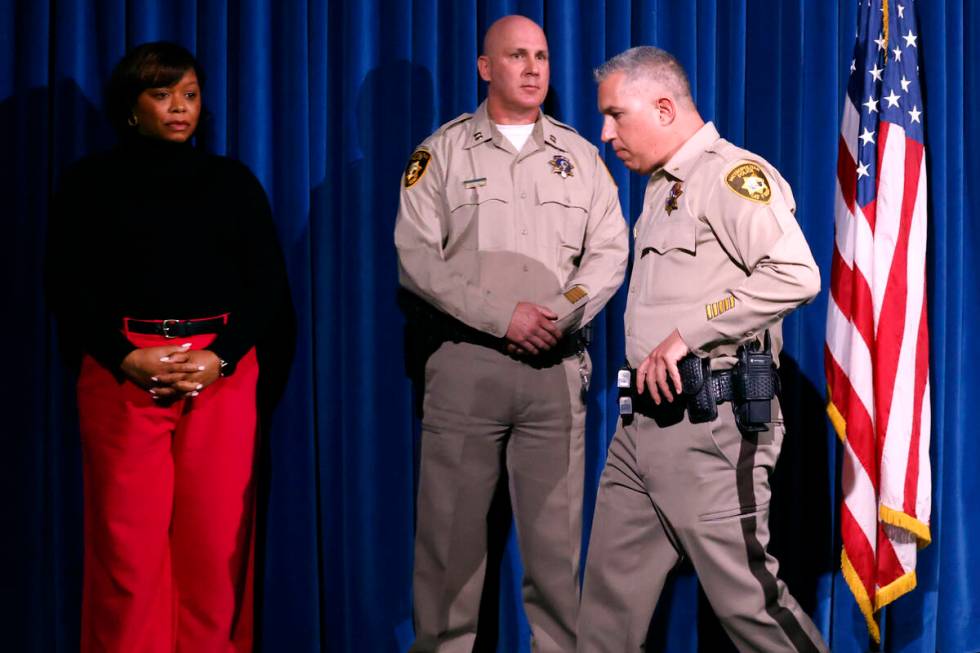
[[517, 134]]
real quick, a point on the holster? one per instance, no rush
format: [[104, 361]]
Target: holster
[[698, 388]]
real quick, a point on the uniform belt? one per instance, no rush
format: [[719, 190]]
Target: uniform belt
[[724, 390], [437, 327], [569, 345], [176, 328]]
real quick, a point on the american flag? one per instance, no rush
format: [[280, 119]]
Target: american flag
[[877, 350]]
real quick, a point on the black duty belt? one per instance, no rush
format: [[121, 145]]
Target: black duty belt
[[569, 345], [175, 328], [750, 386], [438, 327]]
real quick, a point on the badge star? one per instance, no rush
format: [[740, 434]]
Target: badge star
[[753, 184], [910, 39], [901, 11], [863, 170], [892, 99], [876, 72], [914, 114], [882, 42], [905, 84], [898, 54], [867, 137], [872, 104]]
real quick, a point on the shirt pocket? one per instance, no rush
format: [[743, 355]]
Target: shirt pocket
[[564, 208], [667, 258], [563, 211], [477, 216]]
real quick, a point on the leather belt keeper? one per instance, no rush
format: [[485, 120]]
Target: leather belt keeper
[[175, 328]]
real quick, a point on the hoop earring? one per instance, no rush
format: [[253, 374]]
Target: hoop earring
[[132, 121]]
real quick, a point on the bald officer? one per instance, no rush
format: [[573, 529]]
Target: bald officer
[[719, 260], [510, 230]]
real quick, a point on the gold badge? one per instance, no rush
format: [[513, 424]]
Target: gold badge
[[561, 166], [415, 169], [749, 181]]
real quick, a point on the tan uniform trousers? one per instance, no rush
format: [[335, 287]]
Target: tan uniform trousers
[[482, 410], [671, 488]]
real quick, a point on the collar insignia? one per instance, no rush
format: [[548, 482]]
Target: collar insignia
[[561, 166]]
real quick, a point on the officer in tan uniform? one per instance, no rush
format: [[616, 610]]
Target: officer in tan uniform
[[511, 237], [719, 261]]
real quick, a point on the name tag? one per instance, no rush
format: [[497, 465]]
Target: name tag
[[475, 183]]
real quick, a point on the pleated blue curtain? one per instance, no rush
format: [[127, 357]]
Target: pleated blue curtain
[[325, 101]]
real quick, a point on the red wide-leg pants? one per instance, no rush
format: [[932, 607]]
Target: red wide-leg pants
[[169, 512]]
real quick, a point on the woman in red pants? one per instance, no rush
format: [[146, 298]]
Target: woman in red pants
[[165, 270]]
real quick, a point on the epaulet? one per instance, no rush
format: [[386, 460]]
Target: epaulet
[[726, 150], [559, 123], [458, 120]]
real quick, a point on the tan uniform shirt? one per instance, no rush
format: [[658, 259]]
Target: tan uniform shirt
[[482, 227], [719, 255]]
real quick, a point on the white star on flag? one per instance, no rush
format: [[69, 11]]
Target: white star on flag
[[914, 114], [901, 11], [892, 99], [872, 104], [867, 137], [881, 42], [910, 39], [898, 53], [862, 170], [905, 84], [876, 72]]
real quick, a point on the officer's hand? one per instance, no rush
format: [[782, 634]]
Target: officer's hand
[[145, 366], [532, 328], [201, 368], [662, 361]]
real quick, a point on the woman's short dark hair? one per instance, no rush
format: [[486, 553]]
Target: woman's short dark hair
[[151, 65]]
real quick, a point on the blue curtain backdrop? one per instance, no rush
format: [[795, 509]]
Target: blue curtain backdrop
[[325, 101]]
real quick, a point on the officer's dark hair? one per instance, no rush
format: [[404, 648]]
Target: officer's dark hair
[[150, 65], [652, 63]]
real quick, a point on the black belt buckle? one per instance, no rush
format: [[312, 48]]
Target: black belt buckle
[[166, 326]]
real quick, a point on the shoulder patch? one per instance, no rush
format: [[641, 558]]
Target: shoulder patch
[[416, 167], [749, 181]]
